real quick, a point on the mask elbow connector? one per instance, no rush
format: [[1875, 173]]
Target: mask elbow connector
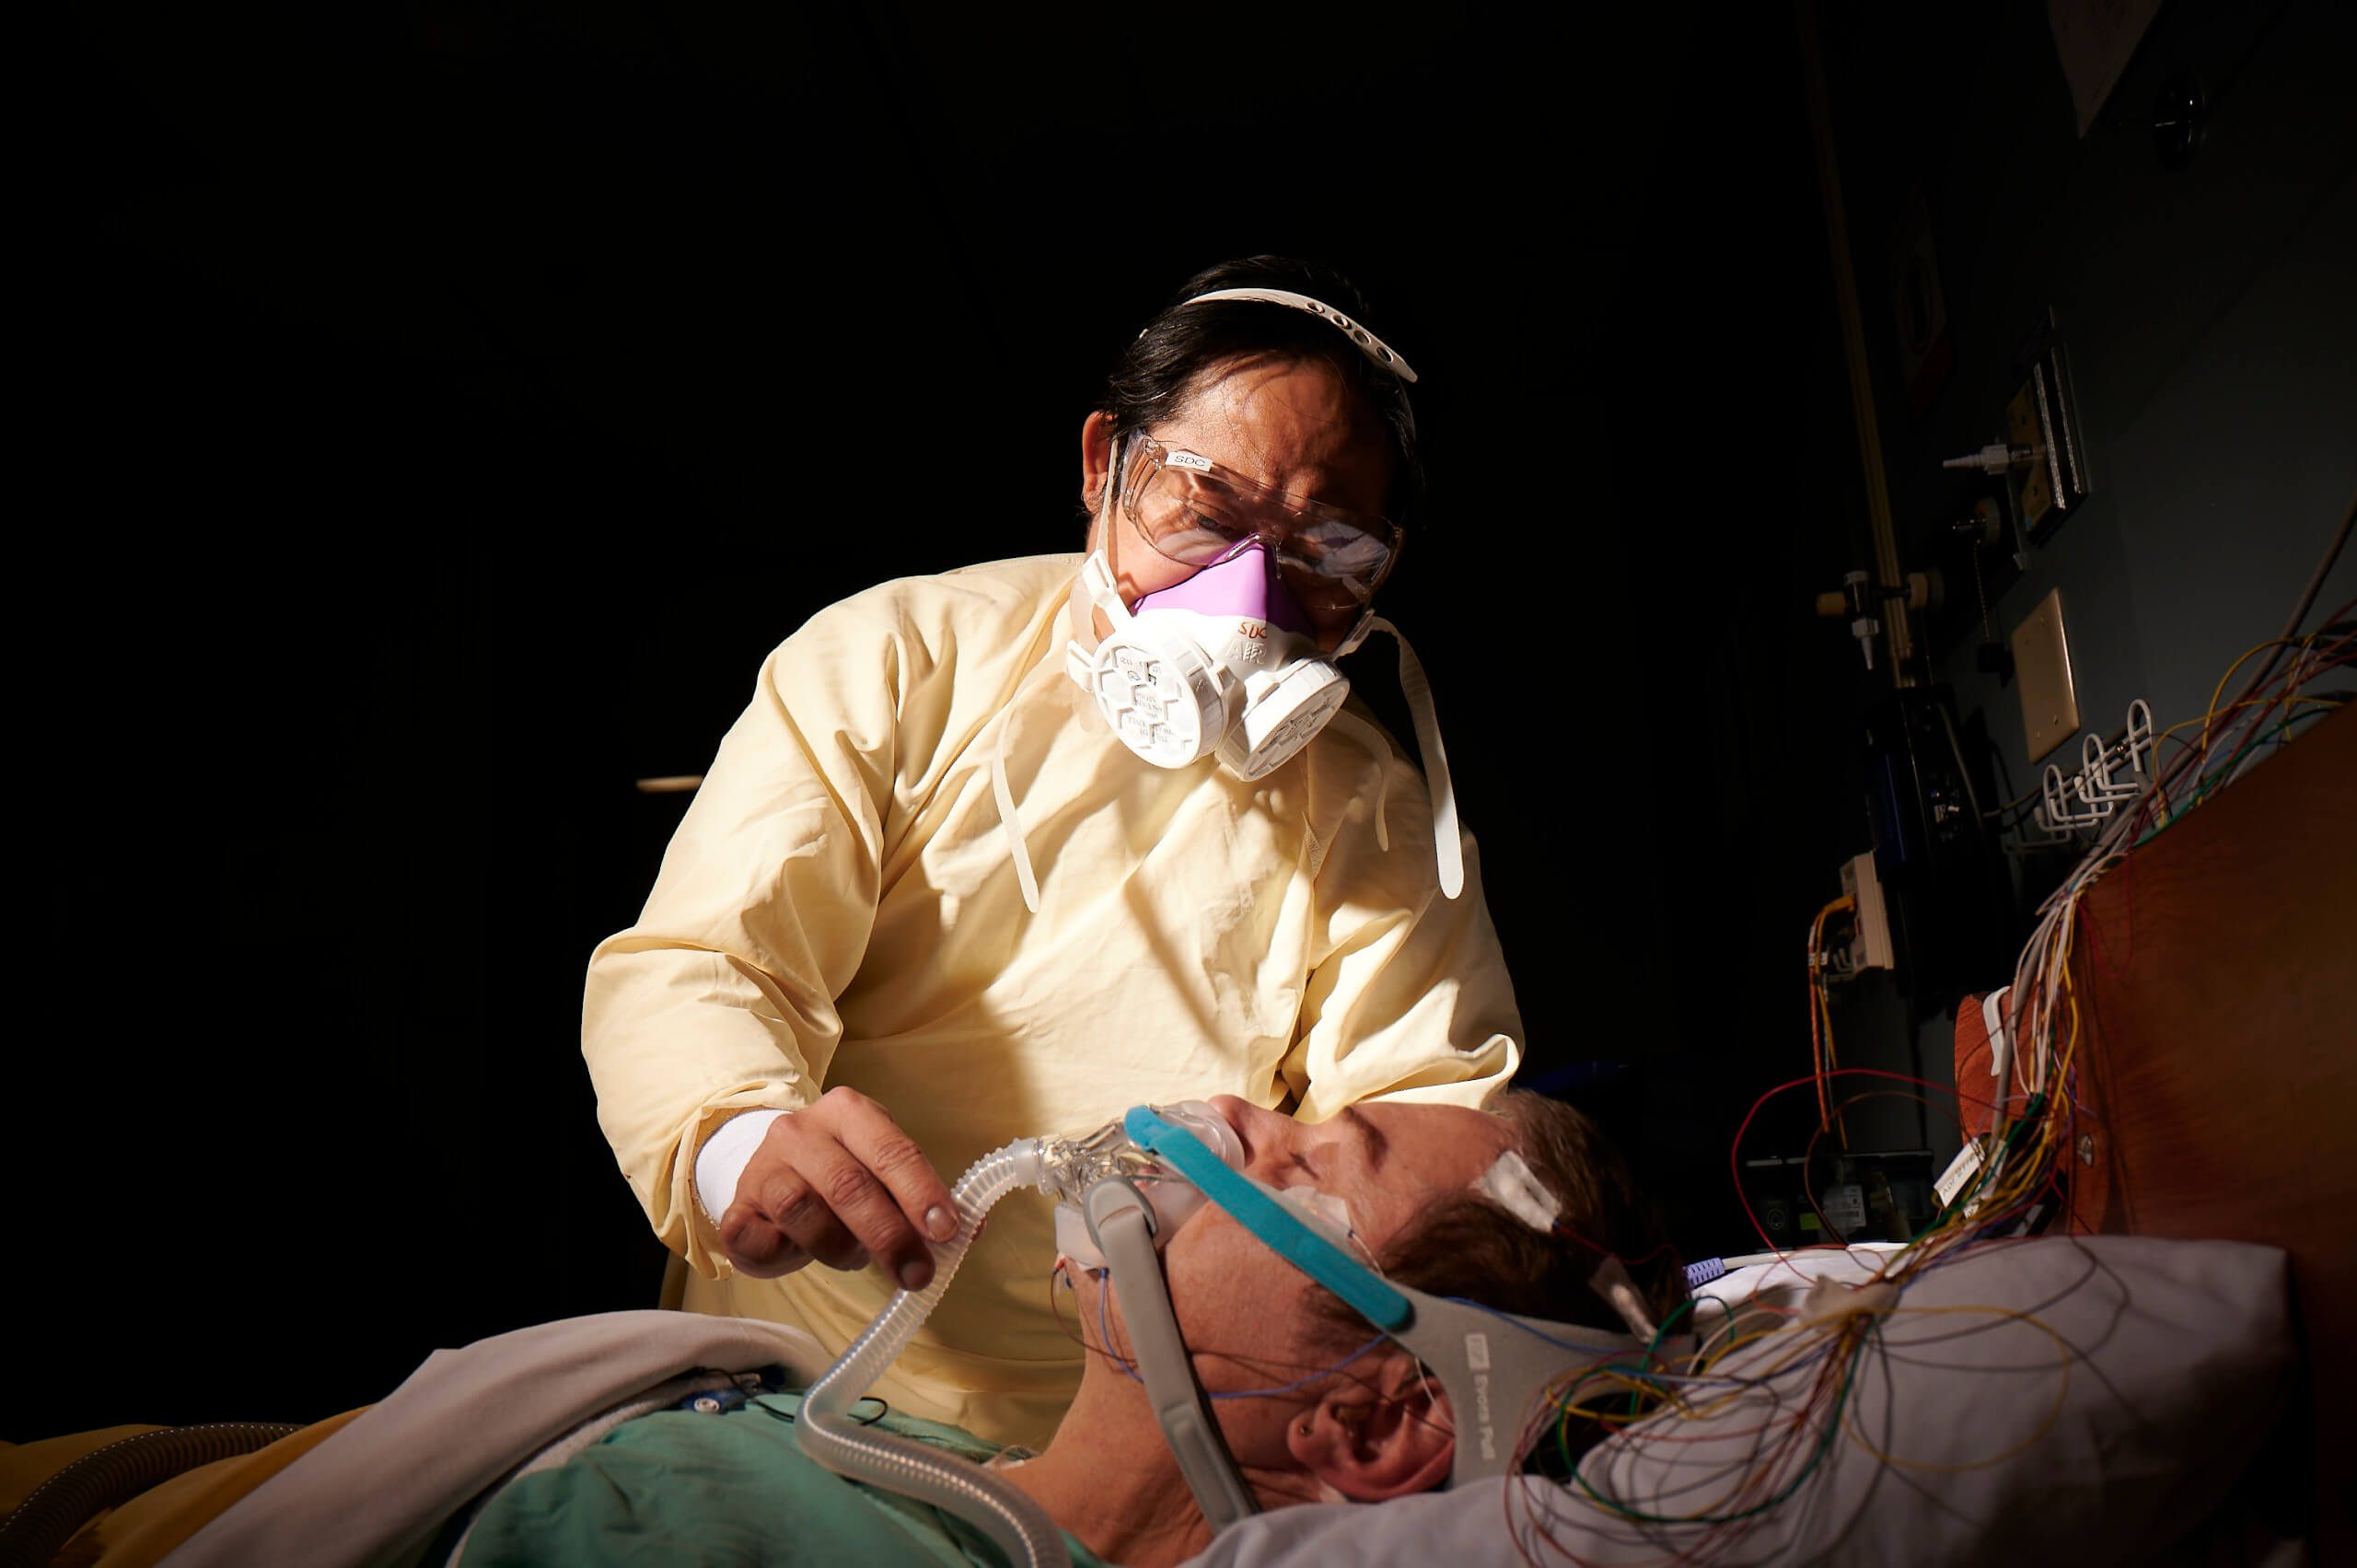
[[1071, 1168]]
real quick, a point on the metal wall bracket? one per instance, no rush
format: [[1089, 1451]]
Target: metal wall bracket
[[2042, 421]]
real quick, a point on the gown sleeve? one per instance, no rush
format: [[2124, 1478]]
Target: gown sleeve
[[722, 997]]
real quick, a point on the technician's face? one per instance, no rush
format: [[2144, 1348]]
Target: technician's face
[[1292, 427]]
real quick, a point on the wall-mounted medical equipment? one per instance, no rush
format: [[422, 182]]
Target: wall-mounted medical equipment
[[2042, 455], [1941, 876], [1867, 608]]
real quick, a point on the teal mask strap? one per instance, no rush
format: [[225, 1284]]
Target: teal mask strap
[[1359, 1287]]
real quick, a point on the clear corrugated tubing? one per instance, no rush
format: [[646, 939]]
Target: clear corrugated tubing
[[988, 1502]]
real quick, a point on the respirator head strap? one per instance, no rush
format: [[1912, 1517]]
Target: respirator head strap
[[1494, 1365], [1121, 1223]]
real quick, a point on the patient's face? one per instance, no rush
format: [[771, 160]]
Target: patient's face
[[1237, 1298]]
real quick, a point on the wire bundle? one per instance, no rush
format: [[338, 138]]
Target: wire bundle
[[1797, 1392], [1802, 1388], [1820, 1016], [2042, 1022]]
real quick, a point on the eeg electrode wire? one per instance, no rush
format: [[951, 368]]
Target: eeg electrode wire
[[2031, 1117]]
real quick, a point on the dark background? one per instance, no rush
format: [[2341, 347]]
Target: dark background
[[455, 402]]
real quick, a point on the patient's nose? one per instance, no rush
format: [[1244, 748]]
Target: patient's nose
[[1266, 1135]]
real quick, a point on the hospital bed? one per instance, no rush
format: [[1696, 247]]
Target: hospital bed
[[2153, 1380]]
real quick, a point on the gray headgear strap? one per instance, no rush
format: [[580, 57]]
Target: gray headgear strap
[[1375, 348]]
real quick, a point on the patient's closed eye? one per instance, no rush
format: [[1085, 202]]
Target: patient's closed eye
[[1371, 1142]]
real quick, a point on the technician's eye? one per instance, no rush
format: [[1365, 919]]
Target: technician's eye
[[1212, 523], [1193, 535], [1339, 549]]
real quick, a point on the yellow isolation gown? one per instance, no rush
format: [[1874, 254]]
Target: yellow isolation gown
[[841, 906]]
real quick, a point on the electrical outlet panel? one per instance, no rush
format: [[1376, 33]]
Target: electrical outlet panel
[[2042, 668], [1870, 947], [1844, 1205]]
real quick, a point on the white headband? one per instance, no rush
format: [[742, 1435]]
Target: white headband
[[1375, 348]]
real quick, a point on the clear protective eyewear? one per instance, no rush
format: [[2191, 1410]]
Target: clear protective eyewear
[[1196, 512]]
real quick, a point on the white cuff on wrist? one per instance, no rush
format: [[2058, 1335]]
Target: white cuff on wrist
[[724, 1156]]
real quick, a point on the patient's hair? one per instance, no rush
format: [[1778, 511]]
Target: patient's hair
[[1469, 1245]]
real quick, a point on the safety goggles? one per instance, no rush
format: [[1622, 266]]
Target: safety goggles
[[1196, 512]]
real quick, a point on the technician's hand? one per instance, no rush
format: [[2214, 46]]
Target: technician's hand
[[838, 1182]]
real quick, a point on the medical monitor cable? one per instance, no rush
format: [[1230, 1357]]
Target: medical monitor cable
[[2308, 595]]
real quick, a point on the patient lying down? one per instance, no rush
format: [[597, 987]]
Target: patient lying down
[[1310, 1407]]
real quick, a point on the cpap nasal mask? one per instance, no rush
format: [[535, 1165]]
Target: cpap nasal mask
[[1074, 1166], [1126, 1187]]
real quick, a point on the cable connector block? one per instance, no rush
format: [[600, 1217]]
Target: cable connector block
[[1702, 1273]]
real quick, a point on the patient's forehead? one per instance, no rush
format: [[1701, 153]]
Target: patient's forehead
[[1419, 1153]]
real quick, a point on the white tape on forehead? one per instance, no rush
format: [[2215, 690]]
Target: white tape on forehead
[[1516, 1185], [1312, 1204]]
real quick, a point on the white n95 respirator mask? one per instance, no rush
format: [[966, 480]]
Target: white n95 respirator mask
[[1226, 663], [1222, 663]]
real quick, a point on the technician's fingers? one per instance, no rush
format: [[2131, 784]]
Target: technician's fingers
[[776, 1223], [859, 1200], [798, 1192], [838, 1181], [875, 1140], [757, 1248]]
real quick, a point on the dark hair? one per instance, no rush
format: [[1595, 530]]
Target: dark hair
[[1158, 372], [1467, 1245]]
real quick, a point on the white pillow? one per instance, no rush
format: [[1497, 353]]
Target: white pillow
[[2179, 1360]]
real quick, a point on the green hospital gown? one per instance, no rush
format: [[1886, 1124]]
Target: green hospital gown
[[678, 1487]]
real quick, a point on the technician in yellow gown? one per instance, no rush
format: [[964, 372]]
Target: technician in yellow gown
[[840, 931]]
